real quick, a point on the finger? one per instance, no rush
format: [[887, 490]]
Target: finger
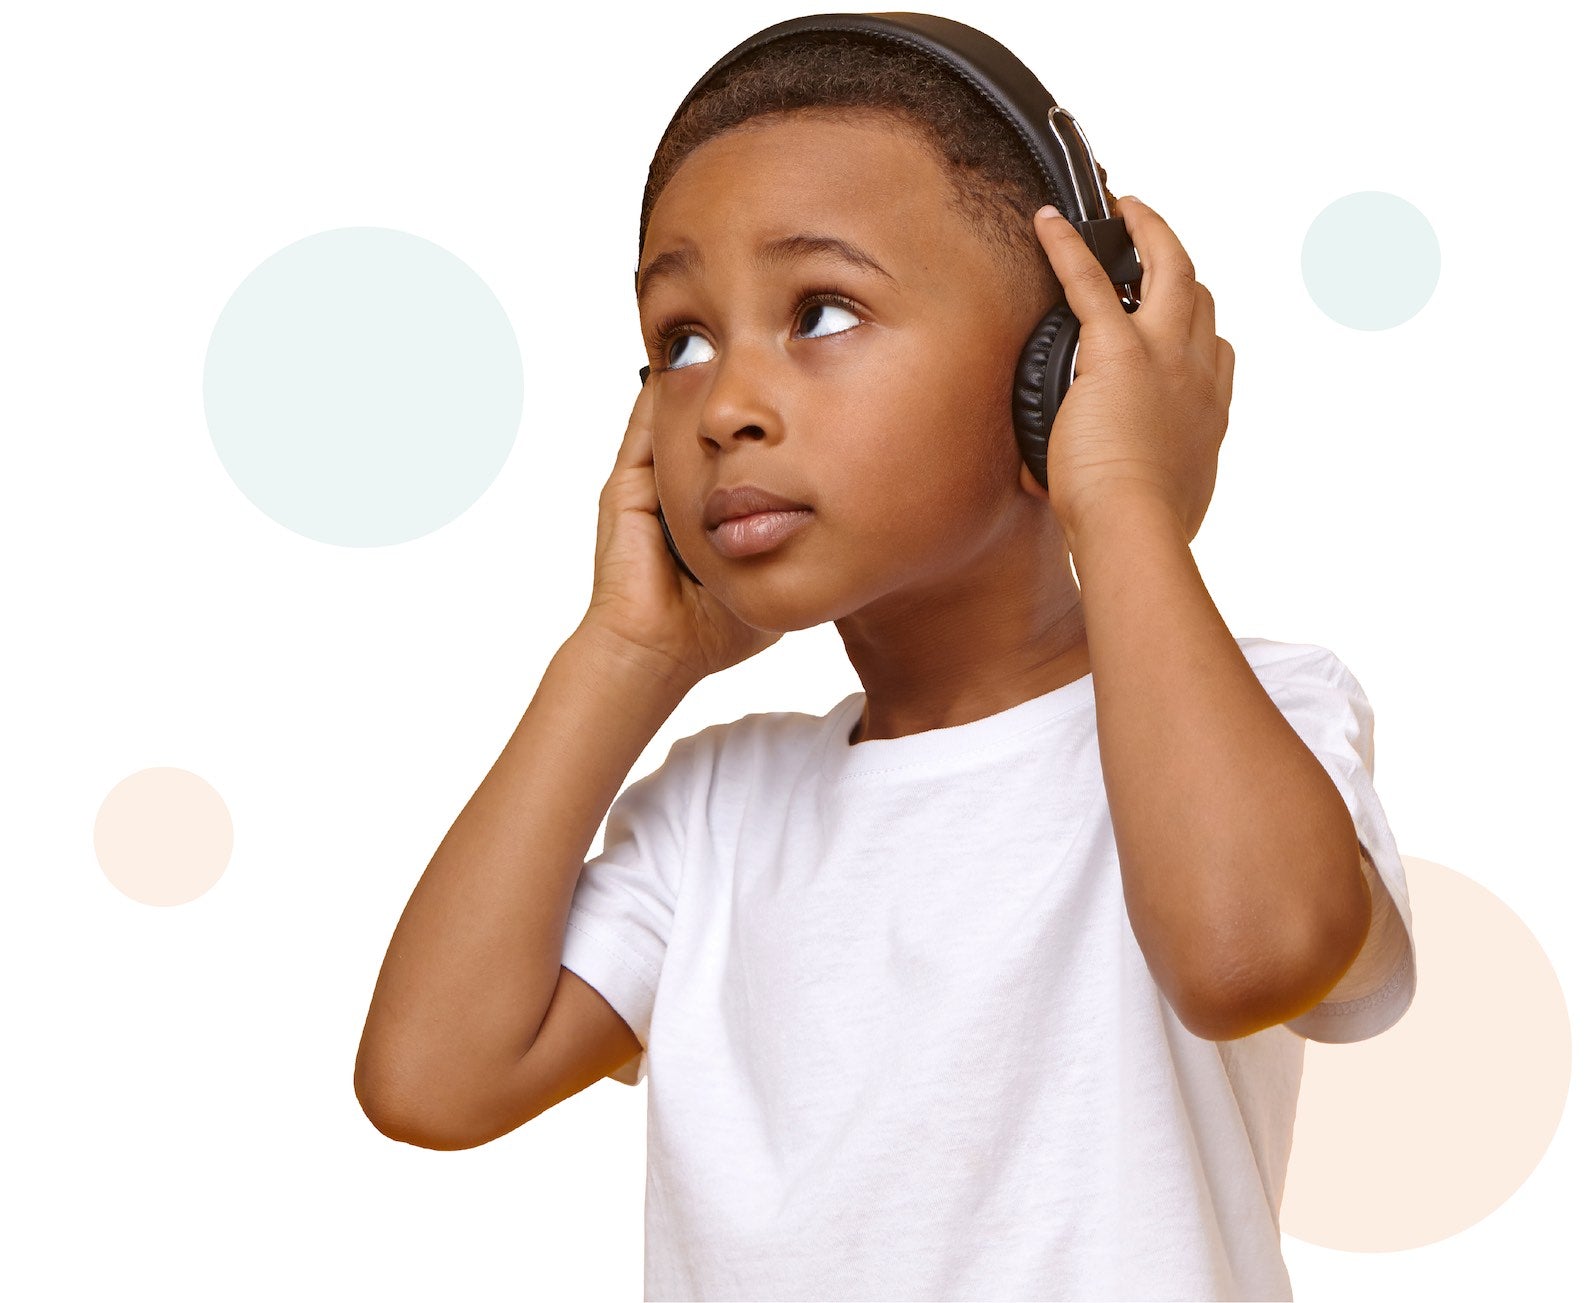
[[632, 486], [1091, 296], [635, 448], [1167, 290], [1224, 371], [1202, 327]]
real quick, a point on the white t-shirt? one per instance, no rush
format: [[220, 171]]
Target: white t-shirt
[[901, 1039]]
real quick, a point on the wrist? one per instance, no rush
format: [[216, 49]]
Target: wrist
[[620, 656], [1108, 511]]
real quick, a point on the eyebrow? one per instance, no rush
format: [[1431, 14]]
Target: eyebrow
[[687, 260]]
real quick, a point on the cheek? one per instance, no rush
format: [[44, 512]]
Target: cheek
[[914, 487], [672, 478], [945, 420]]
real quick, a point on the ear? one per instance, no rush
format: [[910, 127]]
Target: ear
[[1031, 486]]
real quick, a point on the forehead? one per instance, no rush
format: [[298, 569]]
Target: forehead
[[864, 179]]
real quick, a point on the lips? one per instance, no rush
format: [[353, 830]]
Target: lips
[[744, 500]]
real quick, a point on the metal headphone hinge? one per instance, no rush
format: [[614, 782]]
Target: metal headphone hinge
[[1106, 235]]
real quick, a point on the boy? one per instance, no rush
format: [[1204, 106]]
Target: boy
[[993, 981]]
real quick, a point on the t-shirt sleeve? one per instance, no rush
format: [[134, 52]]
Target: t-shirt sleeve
[[1329, 711], [623, 908]]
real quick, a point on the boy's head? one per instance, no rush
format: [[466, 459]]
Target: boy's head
[[891, 416]]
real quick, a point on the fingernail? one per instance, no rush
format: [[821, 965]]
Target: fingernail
[[1049, 210]]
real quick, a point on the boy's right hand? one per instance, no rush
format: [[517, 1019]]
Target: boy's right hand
[[641, 600]]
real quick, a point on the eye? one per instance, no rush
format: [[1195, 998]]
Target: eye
[[670, 341], [813, 309]]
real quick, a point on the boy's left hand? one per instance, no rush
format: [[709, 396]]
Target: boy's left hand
[[1147, 409]]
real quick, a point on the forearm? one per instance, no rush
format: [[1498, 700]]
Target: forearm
[[474, 960], [1239, 859]]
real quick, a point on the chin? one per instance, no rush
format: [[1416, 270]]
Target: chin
[[775, 605]]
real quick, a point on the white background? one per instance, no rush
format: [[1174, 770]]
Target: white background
[[179, 1084]]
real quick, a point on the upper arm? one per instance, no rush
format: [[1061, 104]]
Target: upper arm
[[1327, 707], [581, 1041]]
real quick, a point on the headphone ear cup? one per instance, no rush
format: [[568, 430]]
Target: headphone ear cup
[[674, 551], [1044, 370]]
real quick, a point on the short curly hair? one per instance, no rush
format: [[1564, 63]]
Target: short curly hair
[[995, 183]]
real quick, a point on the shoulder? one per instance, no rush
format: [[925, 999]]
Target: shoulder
[[1267, 655], [1282, 664], [1318, 695], [744, 747], [759, 742]]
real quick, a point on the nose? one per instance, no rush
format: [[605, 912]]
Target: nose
[[738, 406]]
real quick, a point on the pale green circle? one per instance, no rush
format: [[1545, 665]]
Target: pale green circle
[[1370, 260], [363, 386]]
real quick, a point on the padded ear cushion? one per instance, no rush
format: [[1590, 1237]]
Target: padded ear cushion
[[1044, 370]]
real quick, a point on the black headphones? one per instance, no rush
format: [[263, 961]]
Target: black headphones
[[1048, 361]]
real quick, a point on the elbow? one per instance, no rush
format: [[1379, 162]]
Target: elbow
[[1285, 982], [409, 1116], [374, 1094], [1293, 993], [380, 1111], [1231, 1018], [411, 1127]]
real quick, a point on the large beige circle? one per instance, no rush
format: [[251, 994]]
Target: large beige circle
[[1418, 1133], [163, 836]]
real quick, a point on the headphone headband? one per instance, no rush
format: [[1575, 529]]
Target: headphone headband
[[1052, 136]]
